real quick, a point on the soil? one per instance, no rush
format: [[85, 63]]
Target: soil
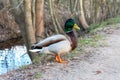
[[98, 63]]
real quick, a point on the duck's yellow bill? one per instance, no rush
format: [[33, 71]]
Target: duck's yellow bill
[[76, 27]]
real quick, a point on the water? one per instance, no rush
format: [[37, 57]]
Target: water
[[13, 58]]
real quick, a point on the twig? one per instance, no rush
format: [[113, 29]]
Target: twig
[[16, 6]]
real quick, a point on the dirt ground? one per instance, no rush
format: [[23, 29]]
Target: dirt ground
[[103, 63]]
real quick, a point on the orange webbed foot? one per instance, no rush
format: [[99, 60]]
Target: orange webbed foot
[[58, 59]]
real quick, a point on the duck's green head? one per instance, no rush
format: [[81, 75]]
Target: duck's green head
[[69, 25]]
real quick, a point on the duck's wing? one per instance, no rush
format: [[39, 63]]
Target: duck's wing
[[51, 40]]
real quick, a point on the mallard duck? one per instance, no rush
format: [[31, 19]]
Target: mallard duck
[[58, 44]]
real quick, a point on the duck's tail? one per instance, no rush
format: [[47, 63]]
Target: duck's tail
[[35, 50], [40, 50]]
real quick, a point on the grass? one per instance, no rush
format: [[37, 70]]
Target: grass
[[94, 40], [114, 20], [87, 41], [37, 60], [90, 41], [38, 75], [93, 27], [24, 67]]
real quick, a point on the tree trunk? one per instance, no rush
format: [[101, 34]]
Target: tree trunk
[[33, 13], [39, 19], [30, 34], [82, 17], [52, 16]]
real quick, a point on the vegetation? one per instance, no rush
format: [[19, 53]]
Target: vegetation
[[95, 26], [37, 75], [91, 41]]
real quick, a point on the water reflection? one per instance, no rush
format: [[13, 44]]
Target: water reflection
[[13, 58]]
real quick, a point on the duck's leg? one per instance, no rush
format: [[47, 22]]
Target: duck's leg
[[58, 59]]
